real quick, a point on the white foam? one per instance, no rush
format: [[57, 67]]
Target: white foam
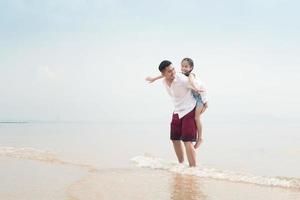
[[29, 153], [152, 162]]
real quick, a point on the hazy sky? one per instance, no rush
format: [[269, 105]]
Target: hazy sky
[[87, 59]]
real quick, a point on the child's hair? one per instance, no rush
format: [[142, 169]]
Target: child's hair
[[191, 64], [163, 65]]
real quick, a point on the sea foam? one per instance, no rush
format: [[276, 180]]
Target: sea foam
[[152, 162]]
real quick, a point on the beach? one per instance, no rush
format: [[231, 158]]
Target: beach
[[80, 120], [123, 161]]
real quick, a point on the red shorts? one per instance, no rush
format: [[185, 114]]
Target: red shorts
[[184, 129]]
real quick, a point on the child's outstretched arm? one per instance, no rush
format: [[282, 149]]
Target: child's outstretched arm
[[152, 79]]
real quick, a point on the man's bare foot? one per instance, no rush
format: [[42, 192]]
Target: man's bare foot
[[198, 142]]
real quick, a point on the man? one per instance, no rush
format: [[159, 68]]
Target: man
[[183, 126]]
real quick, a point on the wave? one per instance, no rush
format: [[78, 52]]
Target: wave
[[148, 161], [29, 153]]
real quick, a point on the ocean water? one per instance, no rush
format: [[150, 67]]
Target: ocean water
[[136, 161]]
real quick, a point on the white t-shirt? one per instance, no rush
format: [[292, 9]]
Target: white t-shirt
[[181, 94]]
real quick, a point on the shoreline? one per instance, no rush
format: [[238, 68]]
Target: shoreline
[[80, 183]]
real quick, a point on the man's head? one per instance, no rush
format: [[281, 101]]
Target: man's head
[[167, 70]]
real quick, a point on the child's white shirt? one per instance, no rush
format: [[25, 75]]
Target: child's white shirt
[[202, 86]]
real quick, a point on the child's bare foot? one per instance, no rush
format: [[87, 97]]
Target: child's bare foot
[[198, 142]]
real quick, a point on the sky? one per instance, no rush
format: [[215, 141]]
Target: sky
[[86, 60]]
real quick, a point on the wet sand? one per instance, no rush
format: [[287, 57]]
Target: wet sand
[[28, 179], [149, 184], [36, 180]]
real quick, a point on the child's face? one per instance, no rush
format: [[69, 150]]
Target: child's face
[[185, 67]]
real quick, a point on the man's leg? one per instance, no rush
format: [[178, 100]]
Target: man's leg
[[189, 134], [175, 136], [190, 153], [178, 147]]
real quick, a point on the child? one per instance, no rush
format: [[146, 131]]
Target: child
[[198, 91]]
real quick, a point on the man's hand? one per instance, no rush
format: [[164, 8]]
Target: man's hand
[[198, 142], [205, 105], [199, 90]]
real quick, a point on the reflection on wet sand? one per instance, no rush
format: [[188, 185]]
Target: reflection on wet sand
[[186, 187]]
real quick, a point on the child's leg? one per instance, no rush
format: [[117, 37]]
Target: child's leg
[[199, 111]]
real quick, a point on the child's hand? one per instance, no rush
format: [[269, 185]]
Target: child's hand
[[150, 79], [200, 90]]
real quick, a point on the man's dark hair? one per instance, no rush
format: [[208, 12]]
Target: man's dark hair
[[163, 65]]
